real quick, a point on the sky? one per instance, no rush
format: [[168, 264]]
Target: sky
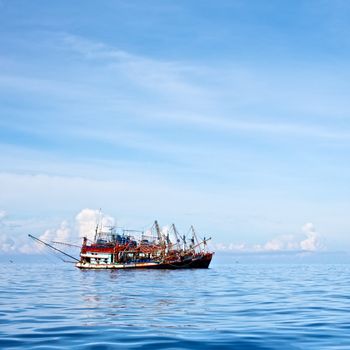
[[228, 115]]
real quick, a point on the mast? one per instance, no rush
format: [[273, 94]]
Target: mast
[[176, 236], [52, 247], [159, 234], [184, 242], [194, 239]]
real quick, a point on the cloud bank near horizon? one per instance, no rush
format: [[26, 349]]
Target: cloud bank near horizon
[[309, 241], [86, 221]]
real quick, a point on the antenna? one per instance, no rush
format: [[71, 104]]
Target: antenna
[[100, 219], [98, 223]]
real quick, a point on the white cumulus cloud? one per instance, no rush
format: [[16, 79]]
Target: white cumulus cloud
[[63, 234], [290, 242], [312, 242], [3, 214], [88, 219], [283, 242], [7, 244]]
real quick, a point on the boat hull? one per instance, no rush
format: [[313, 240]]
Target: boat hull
[[201, 262]]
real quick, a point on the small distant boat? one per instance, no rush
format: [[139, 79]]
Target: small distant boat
[[132, 249]]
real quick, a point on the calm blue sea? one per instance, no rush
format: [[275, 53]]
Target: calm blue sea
[[229, 306]]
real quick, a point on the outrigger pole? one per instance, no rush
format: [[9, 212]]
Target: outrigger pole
[[67, 244], [52, 247]]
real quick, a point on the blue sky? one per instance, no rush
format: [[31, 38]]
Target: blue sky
[[229, 115]]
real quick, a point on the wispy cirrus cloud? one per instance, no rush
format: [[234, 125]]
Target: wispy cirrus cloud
[[199, 91], [181, 93]]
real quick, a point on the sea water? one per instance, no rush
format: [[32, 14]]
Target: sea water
[[229, 306]]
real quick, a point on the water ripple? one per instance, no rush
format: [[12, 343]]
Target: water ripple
[[226, 307]]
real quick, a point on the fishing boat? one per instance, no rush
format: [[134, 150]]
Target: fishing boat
[[133, 249]]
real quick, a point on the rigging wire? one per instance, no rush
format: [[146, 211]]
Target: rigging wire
[[53, 249]]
